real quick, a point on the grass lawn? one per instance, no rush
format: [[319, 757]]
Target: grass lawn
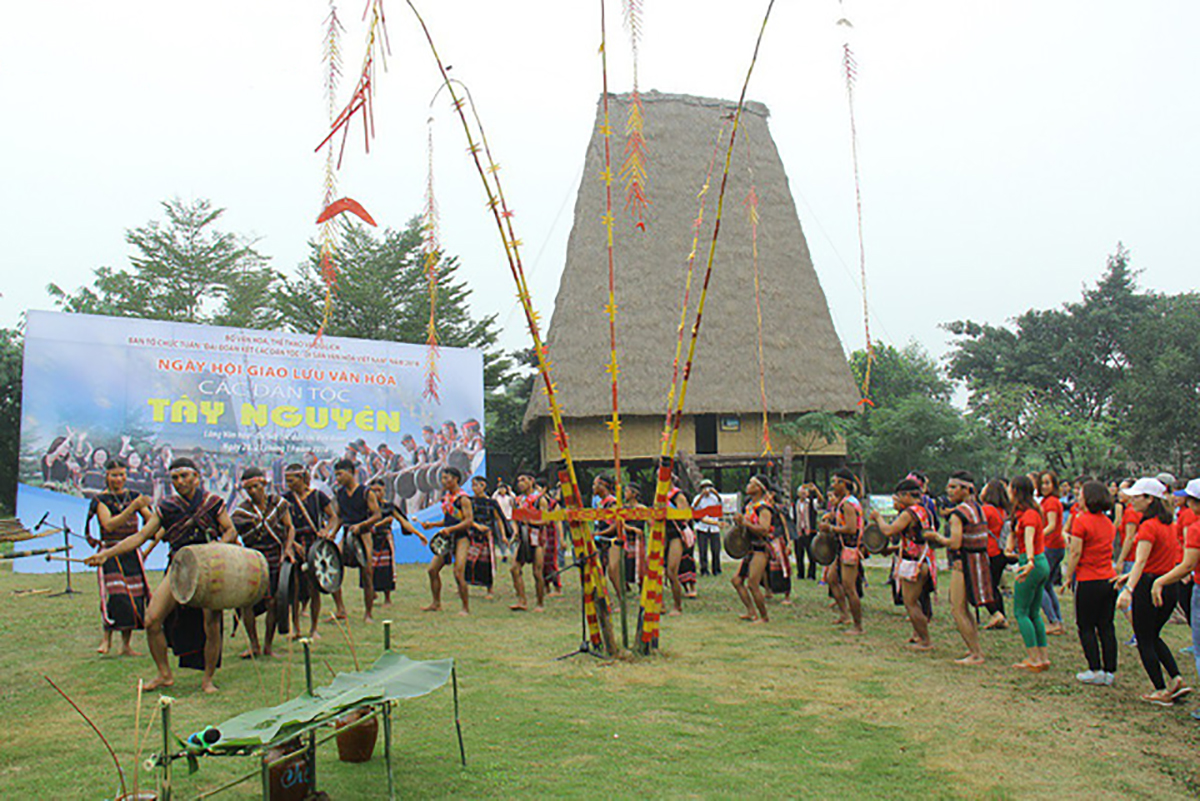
[[791, 709]]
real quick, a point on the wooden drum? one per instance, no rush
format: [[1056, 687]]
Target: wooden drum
[[219, 575]]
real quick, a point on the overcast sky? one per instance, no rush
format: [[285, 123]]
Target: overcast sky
[[1005, 147]]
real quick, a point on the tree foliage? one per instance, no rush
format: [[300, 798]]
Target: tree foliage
[[183, 269], [1102, 385]]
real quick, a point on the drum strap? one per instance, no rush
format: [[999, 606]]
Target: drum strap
[[304, 511], [262, 521]]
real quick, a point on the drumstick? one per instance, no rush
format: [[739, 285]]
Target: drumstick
[[52, 558]]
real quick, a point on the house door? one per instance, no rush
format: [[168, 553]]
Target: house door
[[706, 433]]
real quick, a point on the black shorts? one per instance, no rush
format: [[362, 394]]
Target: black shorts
[[525, 551]]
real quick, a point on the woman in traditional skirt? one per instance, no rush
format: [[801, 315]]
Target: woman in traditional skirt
[[122, 578], [779, 569], [675, 552], [486, 530], [383, 554]]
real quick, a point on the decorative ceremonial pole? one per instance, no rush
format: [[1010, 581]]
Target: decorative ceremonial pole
[[594, 588], [850, 68], [432, 251], [633, 171], [652, 587], [751, 204], [614, 422], [329, 233]]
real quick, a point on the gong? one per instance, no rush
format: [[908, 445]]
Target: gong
[[325, 565]]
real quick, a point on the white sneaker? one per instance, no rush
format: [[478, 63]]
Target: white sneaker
[[1105, 679], [1087, 676]]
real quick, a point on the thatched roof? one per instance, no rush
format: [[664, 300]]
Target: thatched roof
[[806, 367]]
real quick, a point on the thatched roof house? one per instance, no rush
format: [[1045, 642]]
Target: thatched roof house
[[806, 367]]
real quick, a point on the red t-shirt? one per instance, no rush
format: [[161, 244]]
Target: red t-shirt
[[1052, 505], [1129, 517], [1096, 531], [1164, 552], [1184, 519], [1030, 518], [1191, 539], [995, 524]]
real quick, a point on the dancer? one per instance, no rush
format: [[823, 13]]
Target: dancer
[[265, 525], [634, 546], [1190, 563], [383, 551], [1056, 546], [1027, 542], [356, 511], [309, 509], [997, 509], [675, 547], [457, 520], [488, 526], [756, 519], [189, 517], [123, 588], [779, 566], [1090, 565], [844, 576], [916, 571], [1156, 554], [970, 573], [605, 532], [531, 546]]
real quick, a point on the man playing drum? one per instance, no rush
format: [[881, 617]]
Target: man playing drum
[[355, 509], [456, 524], [265, 525], [846, 521], [531, 546], [756, 519], [190, 517], [309, 509]]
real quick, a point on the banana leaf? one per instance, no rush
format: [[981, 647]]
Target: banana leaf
[[393, 677]]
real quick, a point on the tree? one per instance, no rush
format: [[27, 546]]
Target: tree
[[183, 270], [1099, 386], [381, 293], [913, 423], [10, 416]]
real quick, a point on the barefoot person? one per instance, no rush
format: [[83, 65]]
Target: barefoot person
[[531, 547], [1156, 553], [755, 518], [675, 547], [970, 573], [916, 570], [457, 519], [1027, 542], [846, 521], [997, 509], [356, 511], [309, 509], [123, 590], [488, 527], [265, 525], [189, 517]]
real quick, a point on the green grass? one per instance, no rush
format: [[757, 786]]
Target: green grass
[[792, 709]]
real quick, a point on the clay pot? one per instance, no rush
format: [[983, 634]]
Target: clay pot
[[357, 744]]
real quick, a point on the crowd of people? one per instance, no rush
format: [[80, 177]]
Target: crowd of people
[[1131, 548]]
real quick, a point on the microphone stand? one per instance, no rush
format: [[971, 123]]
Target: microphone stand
[[585, 645], [66, 529]]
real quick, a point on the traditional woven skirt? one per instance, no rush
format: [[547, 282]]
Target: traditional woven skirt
[[550, 566], [123, 592], [687, 564], [481, 560], [273, 552], [383, 562], [779, 570]]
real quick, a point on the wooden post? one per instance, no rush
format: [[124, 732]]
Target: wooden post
[[387, 635], [164, 791], [787, 470], [312, 736]]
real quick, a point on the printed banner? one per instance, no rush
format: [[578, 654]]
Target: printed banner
[[229, 398]]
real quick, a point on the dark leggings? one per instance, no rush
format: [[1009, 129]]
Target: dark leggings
[[1185, 600], [997, 564], [1095, 603], [1148, 622]]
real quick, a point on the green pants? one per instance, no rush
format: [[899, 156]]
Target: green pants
[[1027, 600]]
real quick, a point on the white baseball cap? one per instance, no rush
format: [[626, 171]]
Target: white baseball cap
[[1148, 486], [1192, 490], [1167, 479]]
